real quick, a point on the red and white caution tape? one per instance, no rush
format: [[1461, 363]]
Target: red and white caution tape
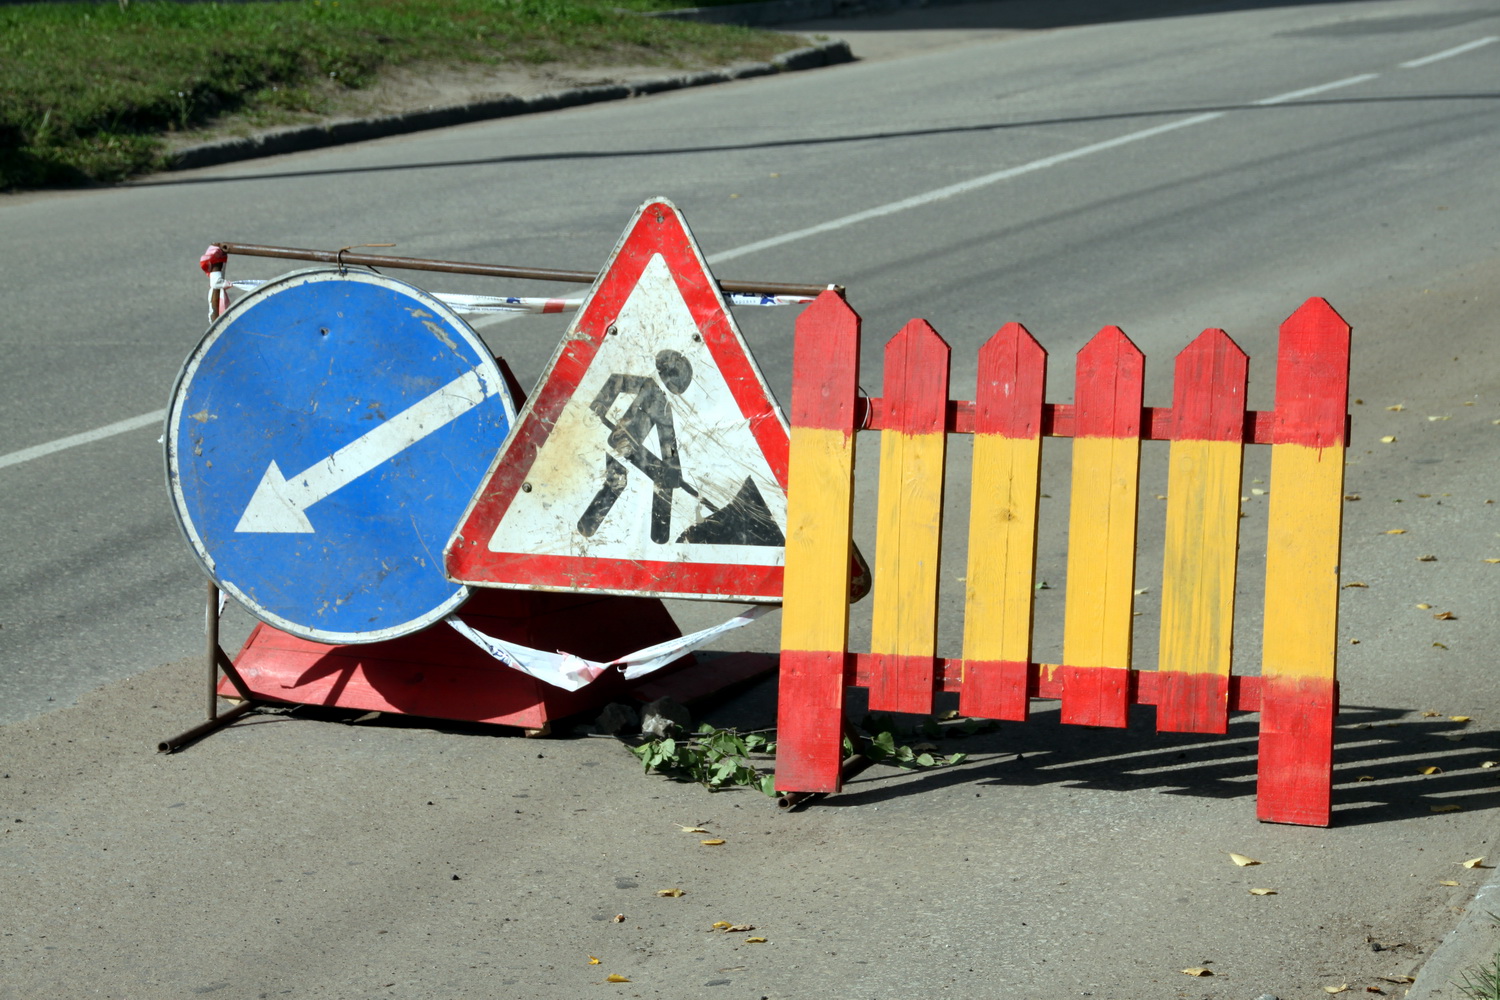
[[219, 288], [569, 672]]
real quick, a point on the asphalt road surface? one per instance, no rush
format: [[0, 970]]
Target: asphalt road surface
[[1204, 168]]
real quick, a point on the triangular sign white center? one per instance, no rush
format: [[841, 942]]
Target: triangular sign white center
[[651, 459]]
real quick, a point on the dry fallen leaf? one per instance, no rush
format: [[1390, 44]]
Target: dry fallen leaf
[[711, 843], [1396, 531], [1241, 860], [1492, 560], [593, 960], [1432, 770], [1351, 496], [1491, 763], [1259, 493], [1447, 881], [1476, 863], [1451, 807], [1458, 718], [1440, 645], [674, 892], [1197, 971], [1398, 979], [1356, 583], [692, 829], [1439, 418], [738, 928], [615, 977], [1430, 714], [1262, 892], [755, 940], [1446, 616], [1375, 989], [1397, 408], [1428, 558], [1424, 607], [1388, 439], [1335, 989]]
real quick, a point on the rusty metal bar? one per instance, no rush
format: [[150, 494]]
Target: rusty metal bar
[[489, 270], [212, 628], [854, 765], [223, 719], [216, 661]]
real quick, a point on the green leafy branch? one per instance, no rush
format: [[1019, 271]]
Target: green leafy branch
[[721, 758], [715, 758]]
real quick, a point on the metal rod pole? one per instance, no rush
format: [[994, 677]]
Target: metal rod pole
[[212, 627], [201, 730], [854, 765], [490, 270]]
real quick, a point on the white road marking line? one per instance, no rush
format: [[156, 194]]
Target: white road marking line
[[87, 437], [1309, 91], [963, 187], [1457, 50]]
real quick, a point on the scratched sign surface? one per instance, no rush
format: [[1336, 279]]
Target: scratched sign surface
[[651, 459], [323, 439]]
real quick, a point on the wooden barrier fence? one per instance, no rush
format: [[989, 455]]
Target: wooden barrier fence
[[1207, 426]]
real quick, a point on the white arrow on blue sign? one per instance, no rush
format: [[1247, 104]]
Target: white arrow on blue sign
[[323, 440]]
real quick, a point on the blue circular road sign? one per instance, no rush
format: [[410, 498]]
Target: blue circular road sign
[[323, 441]]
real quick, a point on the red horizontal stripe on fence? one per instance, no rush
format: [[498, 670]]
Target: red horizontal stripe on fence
[[1044, 681], [1157, 422]]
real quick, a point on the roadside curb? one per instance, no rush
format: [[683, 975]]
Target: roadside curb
[[302, 138], [766, 12], [1473, 942]]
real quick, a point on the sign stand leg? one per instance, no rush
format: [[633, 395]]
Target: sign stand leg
[[216, 661]]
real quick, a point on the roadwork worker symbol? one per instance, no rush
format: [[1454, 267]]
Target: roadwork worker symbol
[[744, 521]]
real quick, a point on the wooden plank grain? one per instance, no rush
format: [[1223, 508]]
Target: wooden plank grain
[[1006, 485], [909, 520], [1101, 530], [1202, 536], [820, 502], [1300, 645]]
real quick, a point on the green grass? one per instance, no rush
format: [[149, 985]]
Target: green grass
[[87, 90]]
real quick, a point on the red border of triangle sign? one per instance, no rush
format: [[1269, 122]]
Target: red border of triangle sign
[[651, 458]]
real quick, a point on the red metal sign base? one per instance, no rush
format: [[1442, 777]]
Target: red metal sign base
[[439, 674]]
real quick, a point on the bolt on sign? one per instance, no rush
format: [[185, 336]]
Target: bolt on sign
[[651, 459]]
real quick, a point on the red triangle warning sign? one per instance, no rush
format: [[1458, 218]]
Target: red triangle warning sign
[[651, 458]]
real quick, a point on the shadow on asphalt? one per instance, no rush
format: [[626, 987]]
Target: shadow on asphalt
[[1041, 15], [1379, 757], [521, 158]]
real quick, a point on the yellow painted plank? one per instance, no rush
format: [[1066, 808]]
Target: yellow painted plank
[[815, 588], [1101, 552], [1302, 562], [1198, 571], [908, 533], [1002, 548]]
